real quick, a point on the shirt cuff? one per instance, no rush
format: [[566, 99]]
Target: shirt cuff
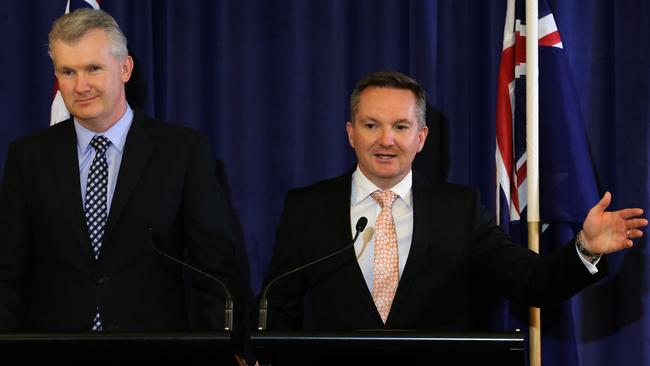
[[591, 267]]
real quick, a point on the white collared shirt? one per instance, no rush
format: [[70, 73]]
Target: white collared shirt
[[362, 204]]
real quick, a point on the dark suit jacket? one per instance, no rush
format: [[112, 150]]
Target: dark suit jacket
[[455, 241], [49, 280]]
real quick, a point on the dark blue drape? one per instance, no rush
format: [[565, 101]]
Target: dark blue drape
[[269, 82]]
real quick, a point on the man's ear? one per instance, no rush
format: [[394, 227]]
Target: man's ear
[[422, 136], [126, 68], [349, 127]]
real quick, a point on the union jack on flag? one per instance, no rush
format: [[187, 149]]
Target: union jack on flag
[[567, 178], [59, 112]]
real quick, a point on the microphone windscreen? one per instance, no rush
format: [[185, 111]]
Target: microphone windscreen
[[361, 223]]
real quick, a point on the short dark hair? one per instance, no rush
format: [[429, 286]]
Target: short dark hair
[[390, 79]]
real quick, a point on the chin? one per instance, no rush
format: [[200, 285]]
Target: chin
[[86, 114], [82, 117], [387, 173]]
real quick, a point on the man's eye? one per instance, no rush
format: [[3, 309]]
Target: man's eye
[[402, 127], [370, 125], [94, 68], [66, 73]]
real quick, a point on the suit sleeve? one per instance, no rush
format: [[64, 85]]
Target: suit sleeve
[[210, 237], [285, 296], [14, 244], [522, 275]]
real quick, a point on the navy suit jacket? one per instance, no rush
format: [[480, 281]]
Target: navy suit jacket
[[49, 279], [455, 242]]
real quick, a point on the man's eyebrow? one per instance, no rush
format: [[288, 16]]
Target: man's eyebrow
[[403, 120]]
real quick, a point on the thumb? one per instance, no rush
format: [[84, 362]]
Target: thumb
[[604, 202]]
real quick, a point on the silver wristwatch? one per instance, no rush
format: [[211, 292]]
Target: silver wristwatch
[[580, 244]]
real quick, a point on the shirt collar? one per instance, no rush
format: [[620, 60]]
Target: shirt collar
[[116, 134], [362, 187]]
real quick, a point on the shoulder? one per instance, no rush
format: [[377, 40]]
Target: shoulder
[[171, 142], [170, 132], [420, 183], [45, 134], [42, 139], [322, 191], [306, 206], [444, 193]]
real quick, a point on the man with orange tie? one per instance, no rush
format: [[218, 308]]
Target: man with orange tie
[[417, 263]]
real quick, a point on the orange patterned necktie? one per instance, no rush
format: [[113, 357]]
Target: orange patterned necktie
[[386, 266]]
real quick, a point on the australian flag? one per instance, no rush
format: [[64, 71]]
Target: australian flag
[[568, 181]]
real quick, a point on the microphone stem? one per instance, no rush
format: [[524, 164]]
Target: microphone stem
[[263, 309], [228, 316]]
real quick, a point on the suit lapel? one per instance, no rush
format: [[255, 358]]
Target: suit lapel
[[422, 217], [341, 203], [137, 150], [342, 192], [66, 167]]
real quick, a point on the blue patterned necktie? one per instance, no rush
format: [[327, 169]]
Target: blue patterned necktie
[[96, 203]]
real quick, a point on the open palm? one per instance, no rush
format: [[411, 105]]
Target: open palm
[[610, 231]]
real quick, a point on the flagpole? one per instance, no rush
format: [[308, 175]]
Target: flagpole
[[532, 150]]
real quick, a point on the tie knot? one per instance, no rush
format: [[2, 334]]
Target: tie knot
[[100, 143], [385, 199]]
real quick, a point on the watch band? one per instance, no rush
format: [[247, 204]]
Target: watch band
[[580, 244]]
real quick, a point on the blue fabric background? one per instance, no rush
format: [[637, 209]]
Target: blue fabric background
[[269, 82]]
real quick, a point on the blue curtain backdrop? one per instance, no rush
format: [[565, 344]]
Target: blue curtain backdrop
[[269, 82]]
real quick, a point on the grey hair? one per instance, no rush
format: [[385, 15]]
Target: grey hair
[[395, 80], [71, 27]]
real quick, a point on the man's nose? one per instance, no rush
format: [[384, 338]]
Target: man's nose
[[81, 83], [387, 137]]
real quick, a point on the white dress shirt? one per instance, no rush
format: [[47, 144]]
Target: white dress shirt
[[362, 204]]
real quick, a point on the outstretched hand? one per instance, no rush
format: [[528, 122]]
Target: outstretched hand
[[610, 231]]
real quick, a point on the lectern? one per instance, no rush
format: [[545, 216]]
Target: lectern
[[90, 349], [374, 347]]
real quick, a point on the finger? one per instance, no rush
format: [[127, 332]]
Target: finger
[[634, 233], [628, 243], [635, 223], [604, 202], [627, 213]]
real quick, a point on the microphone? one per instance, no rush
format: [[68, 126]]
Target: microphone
[[264, 304], [229, 303]]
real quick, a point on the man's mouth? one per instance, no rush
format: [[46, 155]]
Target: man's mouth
[[385, 156], [85, 100]]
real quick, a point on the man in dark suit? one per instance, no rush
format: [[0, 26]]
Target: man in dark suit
[[82, 201], [416, 264]]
